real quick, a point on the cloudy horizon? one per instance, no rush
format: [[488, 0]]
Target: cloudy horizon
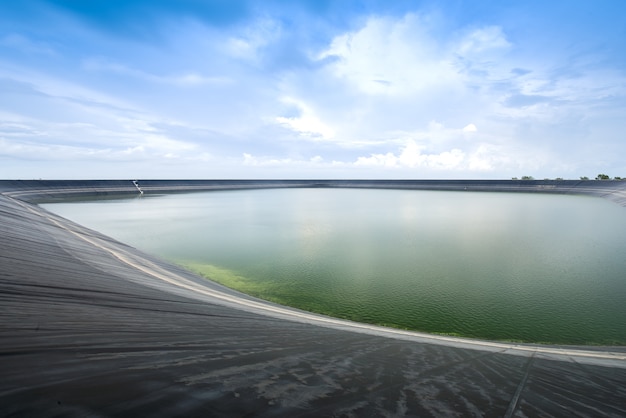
[[312, 89]]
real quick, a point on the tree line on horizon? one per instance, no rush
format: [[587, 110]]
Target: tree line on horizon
[[598, 177]]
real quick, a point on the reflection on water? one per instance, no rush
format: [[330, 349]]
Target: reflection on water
[[541, 268]]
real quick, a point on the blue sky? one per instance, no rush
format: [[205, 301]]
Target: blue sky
[[312, 89]]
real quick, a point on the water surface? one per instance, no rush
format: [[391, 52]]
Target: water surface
[[521, 267]]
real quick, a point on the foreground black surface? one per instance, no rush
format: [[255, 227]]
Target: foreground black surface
[[90, 326]]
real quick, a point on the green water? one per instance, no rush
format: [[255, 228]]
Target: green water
[[521, 267]]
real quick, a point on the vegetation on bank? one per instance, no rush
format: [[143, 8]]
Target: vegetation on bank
[[598, 177]]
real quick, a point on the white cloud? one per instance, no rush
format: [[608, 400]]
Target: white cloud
[[385, 160], [400, 79], [387, 56], [411, 156], [470, 128], [78, 125], [189, 78], [480, 157], [487, 158], [248, 44], [437, 136], [102, 144], [306, 123], [483, 40], [262, 161]]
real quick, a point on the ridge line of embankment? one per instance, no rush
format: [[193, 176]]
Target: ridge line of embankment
[[43, 190]]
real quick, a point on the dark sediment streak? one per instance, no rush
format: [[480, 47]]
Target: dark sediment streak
[[91, 326]]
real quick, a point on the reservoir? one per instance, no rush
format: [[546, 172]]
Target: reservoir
[[498, 266]]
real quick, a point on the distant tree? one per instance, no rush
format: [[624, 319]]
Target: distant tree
[[602, 177], [514, 178], [559, 179], [527, 178], [584, 178], [617, 178]]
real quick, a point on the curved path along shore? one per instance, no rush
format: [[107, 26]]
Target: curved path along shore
[[91, 326]]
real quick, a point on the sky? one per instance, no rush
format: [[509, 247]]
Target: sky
[[262, 89]]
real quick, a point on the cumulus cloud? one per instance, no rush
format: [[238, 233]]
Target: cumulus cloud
[[389, 56], [470, 128], [397, 75], [264, 161], [478, 159], [306, 122], [412, 156]]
